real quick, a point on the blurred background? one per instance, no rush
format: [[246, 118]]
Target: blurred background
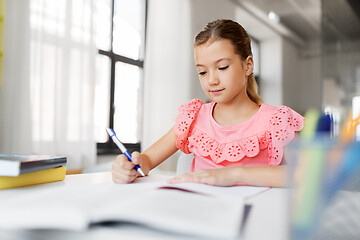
[[71, 68]]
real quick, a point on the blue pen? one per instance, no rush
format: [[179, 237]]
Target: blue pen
[[123, 149]]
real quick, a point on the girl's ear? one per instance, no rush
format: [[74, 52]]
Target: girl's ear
[[249, 63]]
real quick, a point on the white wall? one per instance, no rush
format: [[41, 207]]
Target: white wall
[[271, 76], [292, 75], [215, 9], [310, 92], [17, 68], [167, 67], [301, 78]]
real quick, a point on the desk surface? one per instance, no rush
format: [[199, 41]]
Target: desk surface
[[267, 218]]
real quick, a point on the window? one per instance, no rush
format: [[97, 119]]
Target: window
[[120, 38]]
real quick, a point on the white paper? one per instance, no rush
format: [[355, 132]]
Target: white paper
[[238, 192], [213, 213]]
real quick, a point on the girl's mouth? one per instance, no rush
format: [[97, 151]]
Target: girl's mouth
[[216, 91]]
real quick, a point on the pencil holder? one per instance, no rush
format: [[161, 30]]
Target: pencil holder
[[324, 177]]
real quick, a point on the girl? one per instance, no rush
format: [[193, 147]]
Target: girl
[[236, 139]]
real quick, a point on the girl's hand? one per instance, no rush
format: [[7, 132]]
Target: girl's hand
[[123, 170], [226, 176]]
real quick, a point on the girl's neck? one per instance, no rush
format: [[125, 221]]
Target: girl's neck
[[228, 114]]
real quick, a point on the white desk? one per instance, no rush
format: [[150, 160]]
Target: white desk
[[267, 218], [269, 215]]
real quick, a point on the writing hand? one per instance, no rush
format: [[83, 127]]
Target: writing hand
[[123, 170]]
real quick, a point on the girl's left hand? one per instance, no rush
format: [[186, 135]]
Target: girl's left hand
[[226, 176]]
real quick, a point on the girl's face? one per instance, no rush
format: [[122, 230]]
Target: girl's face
[[222, 72]]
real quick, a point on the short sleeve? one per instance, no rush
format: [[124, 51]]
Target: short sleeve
[[283, 125], [183, 123]]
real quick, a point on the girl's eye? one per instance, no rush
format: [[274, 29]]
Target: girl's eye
[[202, 73], [223, 68]]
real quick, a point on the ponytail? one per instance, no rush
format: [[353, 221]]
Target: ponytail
[[251, 90]]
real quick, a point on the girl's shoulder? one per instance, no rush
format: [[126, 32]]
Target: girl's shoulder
[[283, 124], [193, 105], [283, 116], [188, 112], [194, 108]]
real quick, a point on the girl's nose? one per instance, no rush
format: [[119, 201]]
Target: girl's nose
[[213, 79]]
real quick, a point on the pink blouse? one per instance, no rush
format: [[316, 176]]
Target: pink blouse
[[258, 141]]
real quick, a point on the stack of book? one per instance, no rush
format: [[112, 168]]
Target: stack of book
[[25, 170]]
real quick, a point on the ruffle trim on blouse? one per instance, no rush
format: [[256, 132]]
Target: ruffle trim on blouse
[[283, 125], [232, 151], [187, 113]]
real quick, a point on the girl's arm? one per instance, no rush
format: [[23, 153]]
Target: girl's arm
[[160, 150], [267, 176], [123, 170]]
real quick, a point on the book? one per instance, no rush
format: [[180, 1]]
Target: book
[[14, 165], [32, 178], [191, 209]]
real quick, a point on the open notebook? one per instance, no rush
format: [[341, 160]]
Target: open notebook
[[188, 208]]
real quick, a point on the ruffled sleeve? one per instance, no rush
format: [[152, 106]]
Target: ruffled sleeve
[[283, 125], [183, 126]]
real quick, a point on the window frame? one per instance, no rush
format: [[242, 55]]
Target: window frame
[[109, 147]]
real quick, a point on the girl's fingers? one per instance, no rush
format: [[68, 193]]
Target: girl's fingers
[[121, 162], [196, 177], [136, 158], [123, 170], [120, 177], [208, 176]]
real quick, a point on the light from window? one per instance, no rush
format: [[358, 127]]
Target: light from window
[[126, 53], [80, 21], [42, 92], [102, 96], [127, 87], [128, 28], [102, 22], [48, 16]]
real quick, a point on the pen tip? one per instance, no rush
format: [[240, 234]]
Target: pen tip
[[141, 172], [110, 131]]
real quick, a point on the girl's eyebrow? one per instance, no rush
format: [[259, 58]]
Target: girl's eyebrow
[[221, 59]]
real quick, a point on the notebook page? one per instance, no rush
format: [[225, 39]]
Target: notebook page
[[66, 207], [238, 192], [178, 212], [75, 207]]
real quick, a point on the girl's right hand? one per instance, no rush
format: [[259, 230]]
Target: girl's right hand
[[123, 170]]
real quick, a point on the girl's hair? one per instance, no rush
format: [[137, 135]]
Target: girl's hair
[[228, 29]]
